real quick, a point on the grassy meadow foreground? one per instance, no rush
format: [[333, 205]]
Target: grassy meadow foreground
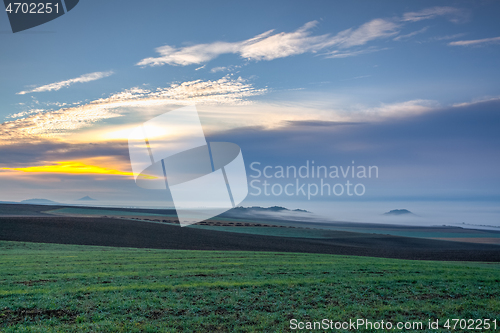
[[74, 288]]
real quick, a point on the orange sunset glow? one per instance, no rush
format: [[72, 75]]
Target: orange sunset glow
[[72, 167]]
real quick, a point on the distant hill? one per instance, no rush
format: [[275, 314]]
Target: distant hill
[[86, 198], [274, 212], [268, 209], [399, 212], [39, 202]]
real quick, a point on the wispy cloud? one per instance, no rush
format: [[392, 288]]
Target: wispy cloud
[[357, 77], [401, 109], [378, 28], [475, 42], [218, 69], [25, 113], [62, 122], [448, 37], [231, 68], [109, 154], [269, 45], [280, 113], [58, 85], [345, 54], [478, 101], [455, 15], [411, 34]]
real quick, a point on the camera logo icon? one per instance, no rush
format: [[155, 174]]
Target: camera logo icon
[[170, 152]]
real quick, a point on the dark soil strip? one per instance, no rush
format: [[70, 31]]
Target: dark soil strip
[[127, 233], [12, 317]]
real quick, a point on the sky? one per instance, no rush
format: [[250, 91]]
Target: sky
[[409, 87]]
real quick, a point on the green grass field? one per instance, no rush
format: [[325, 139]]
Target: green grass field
[[70, 288]]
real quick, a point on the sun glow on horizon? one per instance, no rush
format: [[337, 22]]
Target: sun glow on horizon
[[75, 167]]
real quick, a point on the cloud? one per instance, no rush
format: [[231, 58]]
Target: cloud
[[448, 37], [402, 109], [475, 42], [231, 68], [360, 77], [429, 137], [65, 121], [54, 123], [448, 152], [320, 123], [24, 154], [374, 29], [218, 69], [283, 44], [58, 85], [455, 15], [478, 101], [269, 45], [345, 54], [411, 34], [278, 114], [223, 91], [189, 55], [25, 113]]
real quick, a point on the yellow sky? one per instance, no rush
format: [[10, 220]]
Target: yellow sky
[[72, 167]]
